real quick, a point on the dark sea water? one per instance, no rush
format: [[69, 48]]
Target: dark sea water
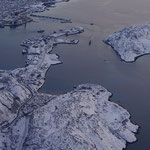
[[97, 63]]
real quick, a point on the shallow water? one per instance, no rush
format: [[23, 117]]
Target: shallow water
[[97, 63]]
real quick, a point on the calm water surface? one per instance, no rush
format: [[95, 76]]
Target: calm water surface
[[98, 63]]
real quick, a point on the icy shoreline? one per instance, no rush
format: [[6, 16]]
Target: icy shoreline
[[131, 42]]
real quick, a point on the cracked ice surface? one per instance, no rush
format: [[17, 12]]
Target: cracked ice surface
[[131, 42]]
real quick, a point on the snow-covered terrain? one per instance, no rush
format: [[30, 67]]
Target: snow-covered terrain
[[82, 119], [131, 42]]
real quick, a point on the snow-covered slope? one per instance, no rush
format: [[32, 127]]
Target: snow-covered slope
[[83, 119]]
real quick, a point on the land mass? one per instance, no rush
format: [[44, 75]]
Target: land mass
[[131, 42], [81, 119]]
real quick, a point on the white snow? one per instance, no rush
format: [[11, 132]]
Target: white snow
[[81, 119], [131, 42]]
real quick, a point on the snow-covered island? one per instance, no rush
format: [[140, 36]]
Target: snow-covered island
[[83, 119], [131, 42]]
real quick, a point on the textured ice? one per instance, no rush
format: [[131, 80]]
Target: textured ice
[[131, 42]]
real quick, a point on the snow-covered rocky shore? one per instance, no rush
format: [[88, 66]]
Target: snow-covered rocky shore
[[131, 42]]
